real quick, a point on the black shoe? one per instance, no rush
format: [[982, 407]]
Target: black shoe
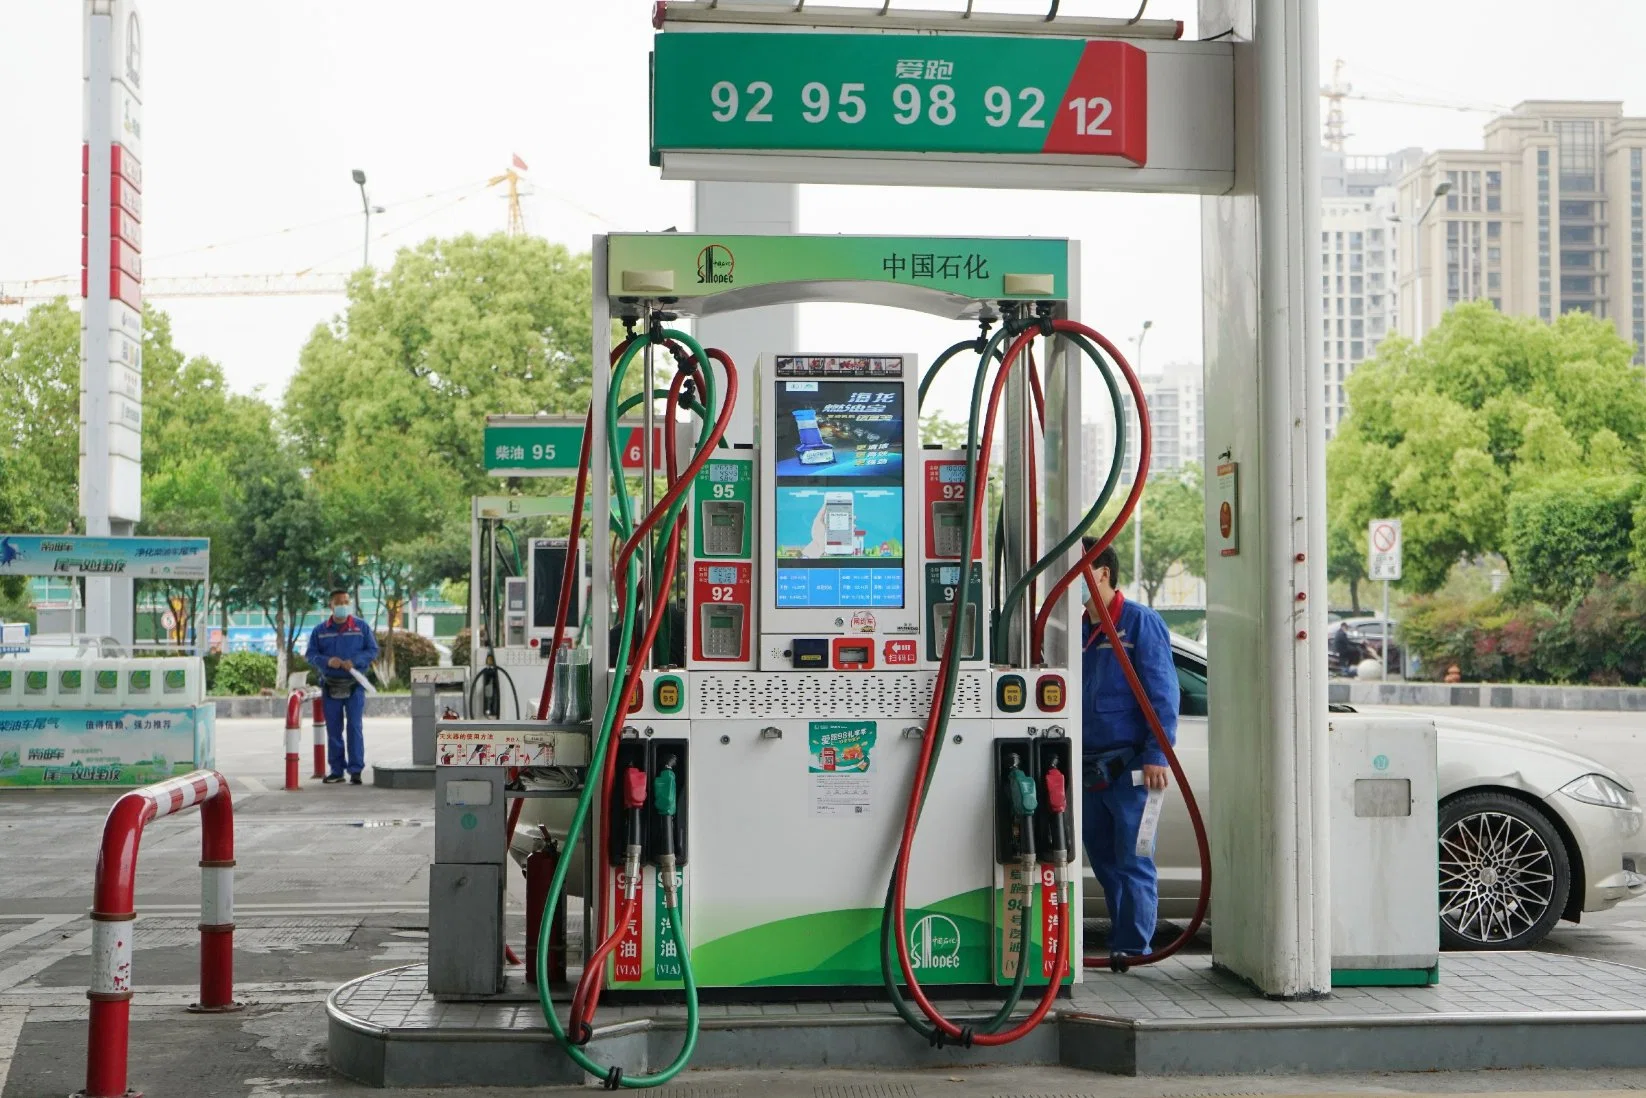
[[354, 779], [332, 779]]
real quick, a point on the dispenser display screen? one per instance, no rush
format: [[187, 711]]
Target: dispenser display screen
[[839, 493]]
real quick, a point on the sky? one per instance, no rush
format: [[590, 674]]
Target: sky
[[255, 114]]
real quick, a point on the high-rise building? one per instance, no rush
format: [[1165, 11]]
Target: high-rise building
[[1359, 261], [1545, 219], [1177, 419]]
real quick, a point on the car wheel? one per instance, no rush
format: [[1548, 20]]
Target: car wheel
[[1504, 873]]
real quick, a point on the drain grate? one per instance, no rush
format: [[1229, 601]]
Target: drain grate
[[385, 823], [729, 1091], [865, 1090]]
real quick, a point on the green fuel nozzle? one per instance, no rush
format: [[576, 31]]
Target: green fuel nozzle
[[666, 801], [1020, 789]]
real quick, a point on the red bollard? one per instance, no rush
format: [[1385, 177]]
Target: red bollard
[[113, 917], [318, 718], [294, 733]]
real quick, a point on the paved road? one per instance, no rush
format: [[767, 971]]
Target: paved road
[[332, 884]]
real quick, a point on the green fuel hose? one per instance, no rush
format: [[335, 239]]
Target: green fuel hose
[[667, 510]]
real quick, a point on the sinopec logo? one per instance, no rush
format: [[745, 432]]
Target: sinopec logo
[[934, 942], [715, 265]]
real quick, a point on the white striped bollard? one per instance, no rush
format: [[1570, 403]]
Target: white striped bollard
[[294, 736], [113, 917], [317, 718]]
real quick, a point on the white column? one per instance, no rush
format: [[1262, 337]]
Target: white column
[[1267, 605], [752, 209]]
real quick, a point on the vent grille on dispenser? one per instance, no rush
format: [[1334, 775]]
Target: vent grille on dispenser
[[746, 695]]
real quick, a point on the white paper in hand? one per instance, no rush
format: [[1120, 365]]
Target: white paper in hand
[[361, 679], [1150, 823]]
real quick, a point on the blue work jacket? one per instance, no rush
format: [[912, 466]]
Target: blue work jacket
[[1111, 719], [350, 639]]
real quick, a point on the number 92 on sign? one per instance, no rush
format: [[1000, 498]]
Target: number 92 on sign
[[899, 93]]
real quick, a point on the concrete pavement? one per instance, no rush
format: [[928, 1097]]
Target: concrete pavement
[[331, 884]]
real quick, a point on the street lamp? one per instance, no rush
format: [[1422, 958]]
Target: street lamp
[[368, 209], [1137, 515], [1441, 190]]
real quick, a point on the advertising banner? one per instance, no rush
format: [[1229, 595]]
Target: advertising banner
[[135, 558], [103, 747]]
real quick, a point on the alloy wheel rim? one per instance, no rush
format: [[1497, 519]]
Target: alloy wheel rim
[[1497, 877]]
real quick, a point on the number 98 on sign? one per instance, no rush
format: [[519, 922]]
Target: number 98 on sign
[[900, 93]]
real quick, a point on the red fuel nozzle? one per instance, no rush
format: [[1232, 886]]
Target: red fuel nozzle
[[1057, 791], [634, 788]]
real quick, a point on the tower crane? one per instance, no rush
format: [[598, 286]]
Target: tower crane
[[1339, 89], [294, 284]]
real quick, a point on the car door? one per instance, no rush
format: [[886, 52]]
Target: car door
[[1177, 856]]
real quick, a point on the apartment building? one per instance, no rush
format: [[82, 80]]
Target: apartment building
[[1545, 219]]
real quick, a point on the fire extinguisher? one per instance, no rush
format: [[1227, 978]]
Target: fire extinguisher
[[540, 867]]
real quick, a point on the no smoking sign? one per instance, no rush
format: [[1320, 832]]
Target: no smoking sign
[[1383, 538]]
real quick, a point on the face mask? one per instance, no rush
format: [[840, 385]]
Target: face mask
[[341, 613]]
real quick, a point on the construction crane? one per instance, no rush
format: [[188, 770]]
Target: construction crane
[[1339, 90], [311, 283], [297, 284]]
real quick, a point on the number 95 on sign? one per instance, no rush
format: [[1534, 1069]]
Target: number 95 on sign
[[900, 93]]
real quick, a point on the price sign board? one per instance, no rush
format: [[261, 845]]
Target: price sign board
[[1383, 537], [1020, 97], [530, 449], [527, 446]]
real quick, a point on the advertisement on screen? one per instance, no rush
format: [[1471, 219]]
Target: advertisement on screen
[[838, 492]]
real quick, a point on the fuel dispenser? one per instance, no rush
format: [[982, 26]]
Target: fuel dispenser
[[873, 644]]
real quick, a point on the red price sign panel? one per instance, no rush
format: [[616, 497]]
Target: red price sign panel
[[1051, 921], [633, 454]]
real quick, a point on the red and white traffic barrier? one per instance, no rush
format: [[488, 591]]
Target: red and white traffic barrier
[[113, 916], [294, 737], [317, 718]]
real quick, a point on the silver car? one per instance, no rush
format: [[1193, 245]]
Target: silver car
[[1530, 832]]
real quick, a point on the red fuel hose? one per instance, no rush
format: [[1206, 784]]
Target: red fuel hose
[[1106, 622], [1083, 567], [587, 996], [588, 991], [911, 816]]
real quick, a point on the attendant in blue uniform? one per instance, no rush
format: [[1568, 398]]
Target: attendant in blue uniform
[[341, 644], [1123, 761]]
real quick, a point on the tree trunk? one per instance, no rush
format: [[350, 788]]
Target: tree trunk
[[1354, 595], [281, 649]]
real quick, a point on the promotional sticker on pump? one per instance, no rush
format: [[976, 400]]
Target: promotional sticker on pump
[[839, 755]]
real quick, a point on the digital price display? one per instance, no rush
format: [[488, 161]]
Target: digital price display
[[839, 490], [722, 573]]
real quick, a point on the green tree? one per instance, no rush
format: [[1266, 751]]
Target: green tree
[[1562, 533], [384, 509], [455, 330], [1444, 434], [40, 410], [1174, 529], [279, 553]]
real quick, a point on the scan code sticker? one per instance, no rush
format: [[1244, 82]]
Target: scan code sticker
[[839, 757]]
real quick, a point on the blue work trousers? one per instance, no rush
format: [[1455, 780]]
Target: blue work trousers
[[353, 759], [1130, 888]]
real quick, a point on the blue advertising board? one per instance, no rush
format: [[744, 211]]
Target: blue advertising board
[[71, 555], [60, 748]]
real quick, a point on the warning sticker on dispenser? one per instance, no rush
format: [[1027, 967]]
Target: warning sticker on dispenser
[[840, 758]]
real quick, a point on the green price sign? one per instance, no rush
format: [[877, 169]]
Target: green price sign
[[725, 508], [532, 449], [1018, 97]]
